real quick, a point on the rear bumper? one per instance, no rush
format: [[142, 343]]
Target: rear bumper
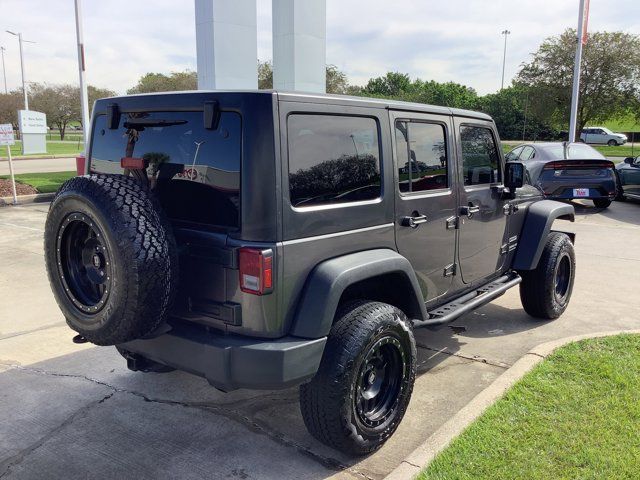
[[230, 362]]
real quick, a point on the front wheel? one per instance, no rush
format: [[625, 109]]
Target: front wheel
[[612, 143], [361, 391], [601, 202], [545, 292]]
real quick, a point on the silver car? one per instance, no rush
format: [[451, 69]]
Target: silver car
[[602, 136]]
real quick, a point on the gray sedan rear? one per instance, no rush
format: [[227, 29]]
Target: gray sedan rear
[[565, 171]]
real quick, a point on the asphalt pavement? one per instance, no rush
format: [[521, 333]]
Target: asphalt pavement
[[72, 411]]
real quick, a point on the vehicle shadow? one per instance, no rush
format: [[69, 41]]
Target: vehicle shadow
[[147, 421]]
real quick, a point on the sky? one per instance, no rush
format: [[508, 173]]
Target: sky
[[452, 40]]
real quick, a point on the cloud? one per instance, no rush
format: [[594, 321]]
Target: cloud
[[455, 40]]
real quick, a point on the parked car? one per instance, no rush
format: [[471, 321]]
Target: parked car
[[262, 240], [629, 178], [564, 171], [602, 136]]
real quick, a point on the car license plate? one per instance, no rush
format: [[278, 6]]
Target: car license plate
[[580, 192]]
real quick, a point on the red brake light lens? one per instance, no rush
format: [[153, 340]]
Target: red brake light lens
[[132, 163], [256, 270]]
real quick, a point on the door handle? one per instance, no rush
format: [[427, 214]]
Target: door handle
[[469, 210], [413, 221]]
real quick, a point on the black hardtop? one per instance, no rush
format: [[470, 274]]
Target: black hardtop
[[194, 98]]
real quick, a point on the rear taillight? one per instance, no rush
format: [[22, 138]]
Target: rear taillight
[[256, 270], [577, 164]]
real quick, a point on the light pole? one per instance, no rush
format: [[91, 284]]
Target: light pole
[[24, 83], [4, 70], [84, 96], [504, 55]]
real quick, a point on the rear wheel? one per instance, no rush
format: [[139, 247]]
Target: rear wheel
[[601, 202], [363, 386], [545, 292]]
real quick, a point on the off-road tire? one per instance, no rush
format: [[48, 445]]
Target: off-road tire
[[328, 401], [601, 202], [140, 262], [539, 291]]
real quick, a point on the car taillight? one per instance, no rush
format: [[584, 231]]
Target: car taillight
[[577, 164], [256, 270]]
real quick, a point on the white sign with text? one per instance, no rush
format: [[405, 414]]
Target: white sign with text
[[6, 134], [32, 122]]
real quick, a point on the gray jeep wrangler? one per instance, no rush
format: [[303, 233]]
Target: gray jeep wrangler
[[264, 239]]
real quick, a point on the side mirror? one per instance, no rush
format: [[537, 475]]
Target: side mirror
[[514, 175], [629, 160]]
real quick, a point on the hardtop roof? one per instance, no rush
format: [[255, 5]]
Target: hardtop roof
[[325, 98]]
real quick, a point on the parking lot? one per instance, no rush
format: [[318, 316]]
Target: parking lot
[[74, 411]]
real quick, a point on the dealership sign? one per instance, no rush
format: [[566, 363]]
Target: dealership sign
[[32, 122]]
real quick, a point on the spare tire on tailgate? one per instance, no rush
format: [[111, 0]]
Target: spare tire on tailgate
[[111, 258]]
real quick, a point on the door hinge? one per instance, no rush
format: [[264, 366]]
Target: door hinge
[[509, 208], [452, 222], [450, 270]]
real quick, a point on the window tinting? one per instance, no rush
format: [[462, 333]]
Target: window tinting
[[195, 171], [332, 159], [422, 156], [480, 158], [513, 155]]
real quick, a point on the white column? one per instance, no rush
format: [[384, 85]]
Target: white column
[[226, 43], [299, 45]]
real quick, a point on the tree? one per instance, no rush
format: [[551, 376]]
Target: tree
[[336, 80], [609, 83], [399, 86], [159, 82], [265, 75], [61, 104], [512, 110], [10, 103]]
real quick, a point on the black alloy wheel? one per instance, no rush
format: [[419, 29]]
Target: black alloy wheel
[[379, 382], [84, 262]]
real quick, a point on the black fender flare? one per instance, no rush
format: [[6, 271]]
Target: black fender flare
[[537, 225], [330, 278]]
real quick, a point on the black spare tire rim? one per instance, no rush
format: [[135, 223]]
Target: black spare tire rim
[[562, 279], [380, 382], [84, 262]]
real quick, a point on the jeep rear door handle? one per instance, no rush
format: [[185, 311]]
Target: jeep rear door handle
[[469, 210], [413, 221]]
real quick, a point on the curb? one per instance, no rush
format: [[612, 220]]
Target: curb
[[417, 460], [25, 199]]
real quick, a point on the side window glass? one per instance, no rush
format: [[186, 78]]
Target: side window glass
[[332, 159], [527, 153], [513, 154], [421, 149], [480, 158]]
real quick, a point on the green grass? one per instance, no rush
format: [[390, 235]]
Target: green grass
[[576, 415], [70, 149], [43, 182], [627, 123]]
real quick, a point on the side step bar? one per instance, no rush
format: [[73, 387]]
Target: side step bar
[[466, 303]]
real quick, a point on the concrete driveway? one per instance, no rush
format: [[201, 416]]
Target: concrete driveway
[[74, 411], [38, 165]]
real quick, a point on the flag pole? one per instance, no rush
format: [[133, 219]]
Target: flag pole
[[84, 97], [581, 37]]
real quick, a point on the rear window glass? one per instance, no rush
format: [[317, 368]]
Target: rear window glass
[[332, 159], [195, 171], [575, 151]]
